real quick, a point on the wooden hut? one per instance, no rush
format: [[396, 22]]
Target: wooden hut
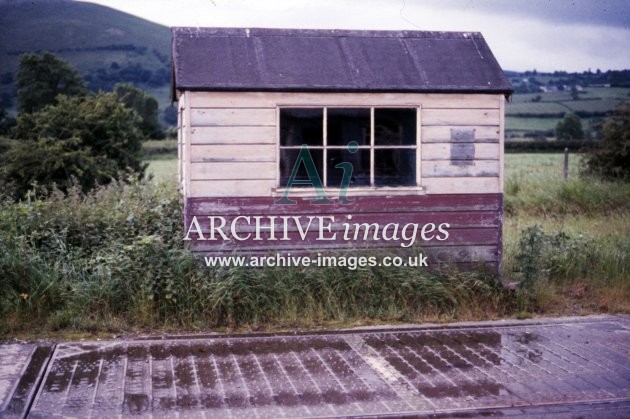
[[401, 127]]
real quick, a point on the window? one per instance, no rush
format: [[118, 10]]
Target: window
[[379, 143]]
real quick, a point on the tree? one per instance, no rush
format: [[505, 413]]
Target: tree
[[570, 128], [145, 105], [610, 159], [170, 115], [87, 140], [41, 78], [6, 122], [47, 161]]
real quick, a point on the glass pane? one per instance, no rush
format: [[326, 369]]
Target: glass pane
[[394, 167], [359, 163], [288, 159], [394, 126], [348, 124], [301, 126]]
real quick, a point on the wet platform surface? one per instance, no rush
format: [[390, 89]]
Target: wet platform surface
[[21, 369], [553, 367]]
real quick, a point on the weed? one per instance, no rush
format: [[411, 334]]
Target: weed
[[569, 261], [112, 261]]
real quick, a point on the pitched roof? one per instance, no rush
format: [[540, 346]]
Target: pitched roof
[[239, 59]]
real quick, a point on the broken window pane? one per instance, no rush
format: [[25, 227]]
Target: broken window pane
[[360, 161], [394, 126], [349, 146], [289, 158], [394, 167], [301, 126], [348, 124]]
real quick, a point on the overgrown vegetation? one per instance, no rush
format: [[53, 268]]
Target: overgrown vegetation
[[86, 140], [566, 244], [534, 187], [66, 136], [564, 257], [112, 260], [611, 158]]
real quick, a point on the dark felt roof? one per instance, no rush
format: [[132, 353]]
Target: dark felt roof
[[229, 59]]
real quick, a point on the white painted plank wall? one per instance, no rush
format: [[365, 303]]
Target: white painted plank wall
[[232, 139]]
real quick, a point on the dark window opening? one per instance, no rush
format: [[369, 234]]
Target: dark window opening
[[346, 125], [394, 167], [288, 159], [354, 146], [301, 126], [394, 127], [360, 161]]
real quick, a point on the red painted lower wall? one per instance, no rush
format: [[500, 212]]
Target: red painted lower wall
[[474, 226]]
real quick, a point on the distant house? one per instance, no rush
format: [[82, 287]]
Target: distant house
[[549, 89], [418, 116]]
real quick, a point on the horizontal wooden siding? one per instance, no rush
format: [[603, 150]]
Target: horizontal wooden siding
[[474, 225], [233, 139]]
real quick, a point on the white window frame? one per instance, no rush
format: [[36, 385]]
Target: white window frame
[[353, 190]]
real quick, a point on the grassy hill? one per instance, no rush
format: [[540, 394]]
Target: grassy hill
[[106, 45], [109, 46]]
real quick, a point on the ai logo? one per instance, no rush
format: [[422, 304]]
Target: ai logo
[[304, 158]]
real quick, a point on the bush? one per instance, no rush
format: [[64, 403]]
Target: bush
[[88, 256], [563, 258], [85, 140], [610, 159]]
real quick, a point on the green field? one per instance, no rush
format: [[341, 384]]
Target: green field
[[533, 167], [589, 93], [516, 123], [163, 170], [536, 108], [540, 112]]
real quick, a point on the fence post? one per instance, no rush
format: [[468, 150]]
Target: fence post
[[565, 169]]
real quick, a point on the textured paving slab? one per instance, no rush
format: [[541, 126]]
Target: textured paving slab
[[21, 369], [556, 368]]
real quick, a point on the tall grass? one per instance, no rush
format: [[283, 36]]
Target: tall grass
[[113, 260], [534, 186], [560, 236]]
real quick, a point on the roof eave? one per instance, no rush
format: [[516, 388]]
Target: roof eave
[[295, 89]]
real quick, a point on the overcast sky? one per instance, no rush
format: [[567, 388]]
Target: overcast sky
[[572, 35]]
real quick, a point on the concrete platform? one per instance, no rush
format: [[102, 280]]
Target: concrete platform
[[22, 367], [553, 368]]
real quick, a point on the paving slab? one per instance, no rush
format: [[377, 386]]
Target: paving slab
[[22, 367], [559, 368]]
